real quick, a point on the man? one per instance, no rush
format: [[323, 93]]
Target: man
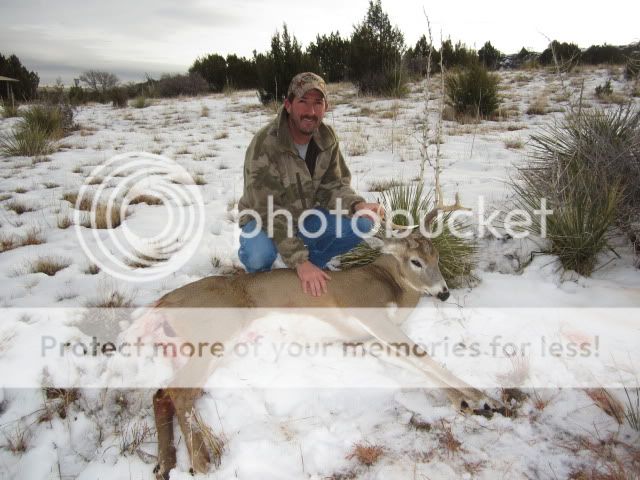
[[294, 165]]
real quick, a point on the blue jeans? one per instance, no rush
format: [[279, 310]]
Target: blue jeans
[[258, 253]]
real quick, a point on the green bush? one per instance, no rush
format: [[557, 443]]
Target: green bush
[[332, 52], [276, 68], [53, 120], [565, 54], [30, 142], [376, 56], [9, 109], [140, 102], [457, 255], [588, 170], [584, 210], [604, 90], [119, 97], [489, 56], [241, 73], [416, 58], [599, 54], [26, 88], [458, 55], [213, 68], [178, 84], [473, 91], [77, 95]]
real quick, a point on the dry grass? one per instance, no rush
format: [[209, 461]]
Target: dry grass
[[204, 111], [64, 222], [215, 443], [92, 269], [199, 180], [60, 399], [607, 403], [518, 373], [357, 145], [514, 143], [104, 217], [608, 458], [540, 402], [365, 453], [538, 106], [148, 199], [18, 207], [111, 298], [419, 424], [387, 184], [7, 243], [221, 135], [33, 237], [183, 151], [72, 198], [133, 436], [17, 439], [49, 265], [448, 441]]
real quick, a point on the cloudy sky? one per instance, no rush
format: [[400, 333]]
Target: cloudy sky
[[130, 37]]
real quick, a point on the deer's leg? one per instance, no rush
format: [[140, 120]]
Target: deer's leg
[[460, 393], [184, 402], [164, 412]]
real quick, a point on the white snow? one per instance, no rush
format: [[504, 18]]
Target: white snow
[[299, 427]]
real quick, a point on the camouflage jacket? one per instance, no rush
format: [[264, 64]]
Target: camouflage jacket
[[272, 166]]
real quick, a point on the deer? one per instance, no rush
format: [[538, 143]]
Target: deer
[[406, 269]]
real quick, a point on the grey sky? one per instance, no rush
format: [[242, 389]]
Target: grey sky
[[65, 37]]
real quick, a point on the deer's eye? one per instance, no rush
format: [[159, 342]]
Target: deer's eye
[[416, 263]]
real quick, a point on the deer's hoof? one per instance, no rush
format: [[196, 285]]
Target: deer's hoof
[[161, 473]]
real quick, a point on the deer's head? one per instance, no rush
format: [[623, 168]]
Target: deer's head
[[417, 256], [418, 264]]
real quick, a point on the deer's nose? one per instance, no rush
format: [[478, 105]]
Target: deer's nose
[[443, 295]]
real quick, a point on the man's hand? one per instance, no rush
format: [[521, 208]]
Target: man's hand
[[312, 278], [374, 211]]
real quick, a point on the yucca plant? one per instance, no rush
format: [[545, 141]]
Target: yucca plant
[[588, 168], [584, 210], [29, 142], [44, 118], [457, 255]]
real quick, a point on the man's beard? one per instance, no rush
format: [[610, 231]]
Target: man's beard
[[309, 128]]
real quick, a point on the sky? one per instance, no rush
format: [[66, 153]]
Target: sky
[[63, 38]]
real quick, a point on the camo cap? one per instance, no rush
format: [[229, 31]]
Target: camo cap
[[303, 82]]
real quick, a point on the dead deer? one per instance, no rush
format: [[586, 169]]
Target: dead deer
[[407, 269]]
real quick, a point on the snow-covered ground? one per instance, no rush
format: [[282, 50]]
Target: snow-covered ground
[[302, 428]]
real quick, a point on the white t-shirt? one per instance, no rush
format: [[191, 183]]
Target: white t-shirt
[[302, 150]]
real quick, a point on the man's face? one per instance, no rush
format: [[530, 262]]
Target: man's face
[[306, 112]]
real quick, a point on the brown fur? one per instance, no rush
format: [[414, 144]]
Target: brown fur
[[392, 279]]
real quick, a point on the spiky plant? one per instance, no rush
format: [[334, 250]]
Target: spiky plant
[[587, 167], [45, 118], [28, 142], [457, 255], [473, 91]]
